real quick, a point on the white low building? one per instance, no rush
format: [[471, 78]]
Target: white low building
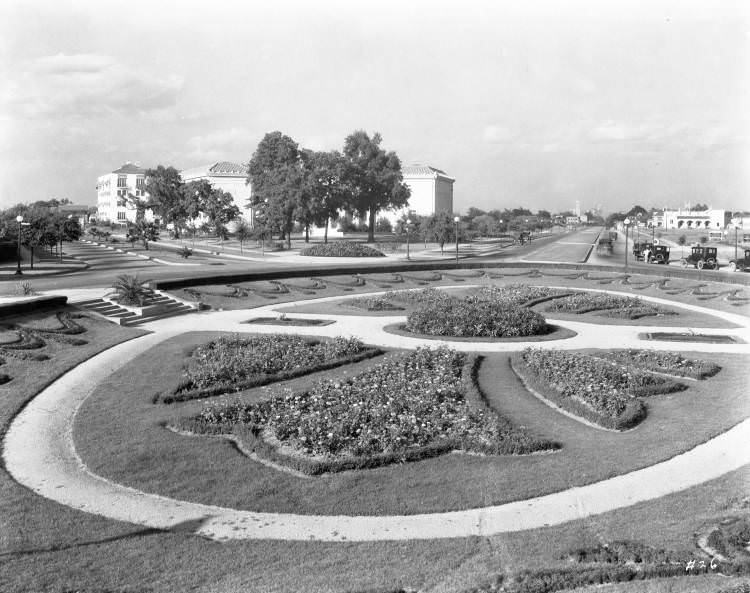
[[689, 219], [227, 176], [116, 191]]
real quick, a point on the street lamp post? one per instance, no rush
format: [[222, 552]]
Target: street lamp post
[[455, 220], [626, 222], [408, 222], [19, 220]]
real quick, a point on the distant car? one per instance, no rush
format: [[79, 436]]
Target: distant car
[[639, 248], [659, 255], [701, 257], [742, 263]]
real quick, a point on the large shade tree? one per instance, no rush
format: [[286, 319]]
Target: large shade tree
[[373, 177], [325, 187], [276, 172], [167, 197]]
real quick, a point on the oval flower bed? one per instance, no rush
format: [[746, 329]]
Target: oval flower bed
[[611, 305], [595, 389], [490, 313], [341, 249], [234, 363], [411, 406]]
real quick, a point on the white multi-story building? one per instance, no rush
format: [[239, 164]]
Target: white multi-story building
[[431, 192], [115, 192], [689, 219], [227, 176]]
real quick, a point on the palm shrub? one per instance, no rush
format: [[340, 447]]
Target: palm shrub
[[130, 290]]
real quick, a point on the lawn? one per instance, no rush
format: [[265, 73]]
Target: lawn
[[47, 547], [119, 433]]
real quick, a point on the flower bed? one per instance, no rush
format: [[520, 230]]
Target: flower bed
[[490, 313], [410, 406], [611, 305], [597, 390], [670, 363], [341, 249], [372, 303], [234, 363]]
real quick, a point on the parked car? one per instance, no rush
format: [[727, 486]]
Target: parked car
[[659, 254], [604, 246], [742, 263], [701, 257], [639, 248]]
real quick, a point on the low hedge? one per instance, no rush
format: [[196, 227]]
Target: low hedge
[[372, 303], [611, 305], [473, 428], [341, 249]]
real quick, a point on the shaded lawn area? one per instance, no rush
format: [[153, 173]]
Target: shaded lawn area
[[119, 433]]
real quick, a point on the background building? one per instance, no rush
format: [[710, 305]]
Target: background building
[[431, 192], [689, 219], [227, 176], [112, 191]]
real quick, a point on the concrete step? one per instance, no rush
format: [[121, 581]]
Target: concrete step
[[180, 310]]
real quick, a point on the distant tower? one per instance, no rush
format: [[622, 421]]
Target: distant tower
[[578, 208]]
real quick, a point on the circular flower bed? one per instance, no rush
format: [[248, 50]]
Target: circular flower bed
[[341, 249]]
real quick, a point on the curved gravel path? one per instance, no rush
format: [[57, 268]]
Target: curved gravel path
[[39, 451]]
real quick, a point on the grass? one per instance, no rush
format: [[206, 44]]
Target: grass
[[47, 547], [119, 434]]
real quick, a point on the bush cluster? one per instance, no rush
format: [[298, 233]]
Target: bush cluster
[[410, 406], [341, 249], [670, 363], [730, 539], [234, 363], [598, 390], [615, 306]]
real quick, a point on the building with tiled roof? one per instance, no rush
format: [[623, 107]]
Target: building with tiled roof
[[431, 192], [228, 176], [115, 189]]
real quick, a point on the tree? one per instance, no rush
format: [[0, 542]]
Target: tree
[[325, 188], [441, 228], [243, 231], [383, 225], [373, 177], [220, 209], [144, 232], [277, 175], [167, 196], [699, 207]]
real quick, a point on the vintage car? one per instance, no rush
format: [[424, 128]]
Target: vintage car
[[701, 257]]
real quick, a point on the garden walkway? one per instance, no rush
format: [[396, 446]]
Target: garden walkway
[[39, 451]]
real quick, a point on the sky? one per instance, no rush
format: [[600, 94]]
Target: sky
[[535, 103]]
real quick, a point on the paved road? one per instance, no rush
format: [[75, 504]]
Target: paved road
[[571, 248], [39, 451]]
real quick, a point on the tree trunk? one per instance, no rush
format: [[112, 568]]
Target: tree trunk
[[31, 250], [307, 232], [371, 226], [325, 234]]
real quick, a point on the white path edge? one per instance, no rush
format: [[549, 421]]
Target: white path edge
[[39, 451]]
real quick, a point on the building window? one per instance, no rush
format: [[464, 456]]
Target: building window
[[122, 181], [120, 216], [140, 182]]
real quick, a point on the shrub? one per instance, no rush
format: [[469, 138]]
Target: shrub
[[597, 390], [185, 252], [670, 363], [129, 290], [341, 249], [410, 406], [25, 288]]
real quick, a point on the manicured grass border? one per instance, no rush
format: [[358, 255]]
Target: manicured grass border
[[555, 332], [629, 419], [254, 442], [293, 322], [175, 395]]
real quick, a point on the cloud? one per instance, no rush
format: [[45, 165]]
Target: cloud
[[230, 143], [494, 134], [87, 85]]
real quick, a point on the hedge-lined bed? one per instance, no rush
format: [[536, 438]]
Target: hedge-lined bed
[[411, 406], [670, 363], [341, 249], [600, 391], [607, 304], [235, 363]]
